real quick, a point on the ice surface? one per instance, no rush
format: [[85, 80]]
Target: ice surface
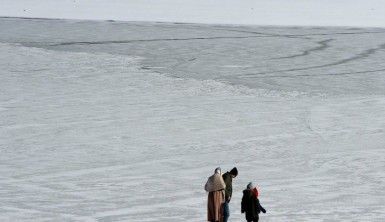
[[363, 13], [108, 121]]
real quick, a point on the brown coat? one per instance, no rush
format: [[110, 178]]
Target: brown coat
[[215, 186], [214, 205]]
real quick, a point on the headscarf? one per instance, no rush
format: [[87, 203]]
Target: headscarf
[[255, 192], [215, 182]]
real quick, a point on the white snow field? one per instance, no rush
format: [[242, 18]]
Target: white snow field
[[363, 13], [120, 121]]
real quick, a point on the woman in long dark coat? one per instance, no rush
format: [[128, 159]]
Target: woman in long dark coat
[[250, 204], [215, 186]]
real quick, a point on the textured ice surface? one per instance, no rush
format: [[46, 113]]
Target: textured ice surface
[[103, 121], [366, 13]]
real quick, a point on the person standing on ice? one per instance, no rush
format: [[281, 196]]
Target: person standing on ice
[[215, 186], [250, 204], [228, 178]]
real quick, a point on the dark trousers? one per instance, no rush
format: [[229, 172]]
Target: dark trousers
[[226, 211], [254, 220]]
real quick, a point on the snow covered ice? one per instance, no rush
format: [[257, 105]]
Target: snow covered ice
[[124, 121]]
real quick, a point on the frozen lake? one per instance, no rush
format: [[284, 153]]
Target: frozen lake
[[124, 121]]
